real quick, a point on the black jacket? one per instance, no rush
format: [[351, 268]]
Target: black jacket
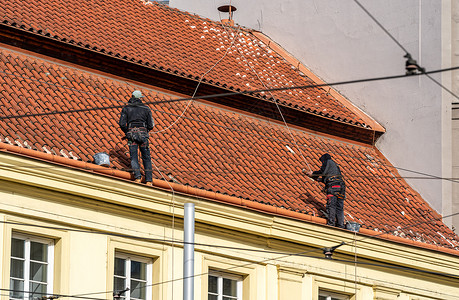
[[329, 172], [136, 114]]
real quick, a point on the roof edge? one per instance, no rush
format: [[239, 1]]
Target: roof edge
[[195, 192], [295, 62]]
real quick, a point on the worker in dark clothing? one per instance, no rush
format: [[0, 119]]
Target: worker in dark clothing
[[330, 175], [136, 121]]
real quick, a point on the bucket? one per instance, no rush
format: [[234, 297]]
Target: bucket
[[102, 159], [353, 226]]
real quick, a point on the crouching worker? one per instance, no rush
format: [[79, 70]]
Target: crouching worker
[[136, 121], [335, 187]]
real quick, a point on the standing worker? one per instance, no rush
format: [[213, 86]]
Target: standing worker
[[330, 175], [136, 121]]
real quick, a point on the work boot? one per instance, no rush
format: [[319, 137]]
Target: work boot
[[149, 183], [138, 180]]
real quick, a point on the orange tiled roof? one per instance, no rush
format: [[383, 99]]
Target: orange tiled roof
[[210, 148], [176, 42]]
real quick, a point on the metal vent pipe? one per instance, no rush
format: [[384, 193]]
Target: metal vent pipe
[[188, 252]]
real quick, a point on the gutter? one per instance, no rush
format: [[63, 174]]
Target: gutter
[[195, 192]]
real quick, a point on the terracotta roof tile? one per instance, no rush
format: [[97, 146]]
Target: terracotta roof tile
[[213, 149], [179, 43]]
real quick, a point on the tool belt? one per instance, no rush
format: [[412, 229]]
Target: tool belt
[[336, 189], [138, 135], [334, 179]]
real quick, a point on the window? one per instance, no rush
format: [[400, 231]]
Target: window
[[324, 295], [224, 286], [135, 273], [31, 273]]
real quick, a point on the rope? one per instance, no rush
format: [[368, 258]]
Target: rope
[[277, 105], [196, 89]]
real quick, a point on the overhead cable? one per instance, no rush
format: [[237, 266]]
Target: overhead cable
[[276, 102], [250, 263], [199, 83], [303, 254], [52, 295], [403, 48], [169, 241], [172, 124], [247, 92], [402, 228], [193, 171]]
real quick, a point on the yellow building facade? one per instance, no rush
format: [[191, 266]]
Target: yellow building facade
[[82, 229], [238, 124]]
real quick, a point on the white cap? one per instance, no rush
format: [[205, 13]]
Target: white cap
[[137, 94]]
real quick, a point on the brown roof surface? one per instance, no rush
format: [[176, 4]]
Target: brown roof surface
[[210, 148], [166, 39]]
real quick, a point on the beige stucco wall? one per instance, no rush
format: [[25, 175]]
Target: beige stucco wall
[[66, 204]]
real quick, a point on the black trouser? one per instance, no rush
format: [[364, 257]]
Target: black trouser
[[335, 204], [138, 140]]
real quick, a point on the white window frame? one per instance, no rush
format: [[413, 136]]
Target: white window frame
[[220, 275], [50, 263], [149, 280], [330, 295]]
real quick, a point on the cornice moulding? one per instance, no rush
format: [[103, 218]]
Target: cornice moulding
[[239, 220]]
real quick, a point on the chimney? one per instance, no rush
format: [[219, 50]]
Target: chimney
[[229, 9]]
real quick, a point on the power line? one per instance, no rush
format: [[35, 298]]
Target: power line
[[145, 239], [395, 267], [168, 241], [321, 149], [247, 92], [406, 227], [390, 166], [430, 175], [236, 248], [199, 83], [403, 48], [52, 295], [441, 85], [172, 124], [380, 25], [302, 254], [278, 108], [192, 171]]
